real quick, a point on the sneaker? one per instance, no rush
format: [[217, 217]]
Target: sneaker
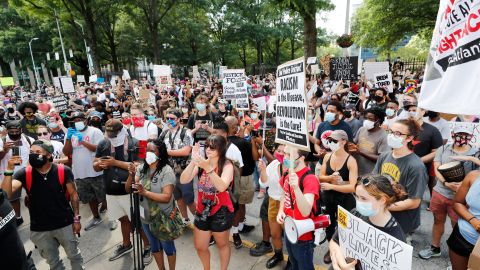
[[147, 256], [102, 210], [113, 225], [93, 223], [261, 194], [212, 241], [247, 229], [237, 241], [272, 262], [261, 249], [120, 251], [409, 239], [186, 222], [19, 221], [429, 253]]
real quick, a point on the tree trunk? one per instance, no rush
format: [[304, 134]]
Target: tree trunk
[[277, 52], [155, 50], [244, 56], [310, 33], [92, 34], [292, 48]]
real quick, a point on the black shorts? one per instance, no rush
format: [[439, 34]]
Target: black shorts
[[264, 208], [220, 222], [458, 244]]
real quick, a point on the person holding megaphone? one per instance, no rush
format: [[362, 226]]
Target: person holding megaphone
[[374, 193], [300, 192]]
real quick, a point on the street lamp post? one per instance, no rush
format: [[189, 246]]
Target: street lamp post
[[33, 62], [65, 62], [89, 58]]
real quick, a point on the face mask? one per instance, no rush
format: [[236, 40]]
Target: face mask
[[52, 125], [287, 163], [378, 98], [279, 157], [394, 141], [79, 126], [347, 114], [138, 121], [365, 209], [126, 121], [240, 114], [368, 124], [150, 158], [329, 117], [15, 137], [11, 110], [172, 123], [334, 146], [390, 112], [253, 116], [201, 107], [184, 110], [37, 160], [119, 139], [151, 117]]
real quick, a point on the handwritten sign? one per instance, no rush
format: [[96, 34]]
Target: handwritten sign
[[474, 127], [291, 118], [260, 102], [60, 103], [92, 79], [372, 247], [372, 68], [67, 85], [161, 70], [344, 68], [56, 82], [125, 75], [384, 80]]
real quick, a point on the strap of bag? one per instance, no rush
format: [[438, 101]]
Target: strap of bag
[[301, 188], [28, 178]]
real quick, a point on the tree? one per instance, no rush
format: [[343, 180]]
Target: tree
[[382, 24]]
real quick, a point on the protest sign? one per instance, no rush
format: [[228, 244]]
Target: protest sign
[[453, 65], [311, 60], [232, 77], [344, 68], [100, 80], [60, 103], [113, 80], [195, 73], [352, 98], [92, 79], [56, 82], [474, 127], [383, 80], [221, 69], [67, 85], [291, 109], [80, 78], [144, 93], [372, 68], [373, 248], [161, 70], [315, 69], [125, 75], [7, 81], [241, 95], [261, 103]]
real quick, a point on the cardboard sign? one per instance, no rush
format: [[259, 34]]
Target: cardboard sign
[[370, 246], [372, 68], [56, 82], [80, 78], [125, 75], [450, 84], [232, 77], [161, 70], [291, 109], [7, 81], [344, 68], [67, 85], [260, 102], [60, 103], [383, 80], [92, 79], [144, 94]]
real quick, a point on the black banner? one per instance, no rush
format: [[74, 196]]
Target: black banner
[[344, 68]]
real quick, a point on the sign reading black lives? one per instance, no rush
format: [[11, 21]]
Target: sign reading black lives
[[291, 109], [344, 68]]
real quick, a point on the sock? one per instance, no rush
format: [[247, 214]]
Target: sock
[[436, 249], [266, 243], [234, 230], [240, 226], [279, 253]]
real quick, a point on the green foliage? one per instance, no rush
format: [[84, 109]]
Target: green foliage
[[381, 24]]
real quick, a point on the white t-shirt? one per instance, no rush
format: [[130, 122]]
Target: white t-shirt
[[275, 191], [103, 97], [82, 158], [57, 149], [24, 150], [442, 126], [234, 154], [148, 131]]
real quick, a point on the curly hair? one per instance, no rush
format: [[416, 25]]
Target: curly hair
[[27, 104]]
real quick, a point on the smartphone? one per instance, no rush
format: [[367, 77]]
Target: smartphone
[[18, 143], [202, 150], [254, 133], [15, 151], [105, 157], [204, 121], [184, 121]]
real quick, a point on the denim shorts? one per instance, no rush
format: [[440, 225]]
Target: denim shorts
[[158, 245]]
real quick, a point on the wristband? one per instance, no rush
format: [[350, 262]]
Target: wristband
[[76, 219], [8, 173], [471, 219]]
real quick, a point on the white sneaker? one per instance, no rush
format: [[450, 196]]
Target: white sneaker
[[93, 223], [113, 224]]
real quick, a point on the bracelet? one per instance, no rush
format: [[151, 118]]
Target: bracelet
[[8, 173], [471, 219]]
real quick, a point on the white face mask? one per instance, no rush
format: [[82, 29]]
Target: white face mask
[[389, 112], [184, 110], [394, 141], [119, 140], [334, 146], [368, 124], [79, 126], [150, 158]]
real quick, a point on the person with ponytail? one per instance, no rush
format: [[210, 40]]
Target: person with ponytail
[[407, 169], [374, 195], [338, 177]]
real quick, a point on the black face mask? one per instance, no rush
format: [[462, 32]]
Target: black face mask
[[14, 137], [431, 114], [37, 160], [11, 110], [96, 123], [378, 98], [347, 114]]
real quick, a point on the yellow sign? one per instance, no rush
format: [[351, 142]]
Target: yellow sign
[[342, 218], [7, 81]]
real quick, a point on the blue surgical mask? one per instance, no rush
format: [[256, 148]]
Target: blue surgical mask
[[201, 107], [394, 141], [390, 112], [253, 116], [151, 117], [329, 117], [52, 125], [286, 162], [365, 209], [240, 114], [171, 123]]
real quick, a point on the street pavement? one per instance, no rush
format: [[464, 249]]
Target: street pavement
[[98, 244]]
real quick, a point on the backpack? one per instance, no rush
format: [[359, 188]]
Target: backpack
[[164, 133], [319, 208], [61, 179], [232, 191], [179, 163], [209, 114]]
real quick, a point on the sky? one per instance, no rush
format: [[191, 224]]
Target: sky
[[335, 19]]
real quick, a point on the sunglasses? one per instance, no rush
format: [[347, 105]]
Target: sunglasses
[[331, 140], [171, 118], [42, 133], [396, 133], [211, 146], [365, 181], [29, 113]]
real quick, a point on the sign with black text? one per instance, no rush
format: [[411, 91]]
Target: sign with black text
[[60, 103], [383, 80], [344, 68], [373, 248], [291, 109], [232, 77], [67, 85]]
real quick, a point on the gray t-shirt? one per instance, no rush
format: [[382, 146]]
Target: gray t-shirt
[[372, 143], [442, 156], [160, 180], [410, 172]]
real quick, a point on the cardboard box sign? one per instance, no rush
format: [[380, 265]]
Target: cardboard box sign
[[474, 260]]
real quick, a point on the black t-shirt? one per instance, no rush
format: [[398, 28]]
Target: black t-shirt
[[11, 246], [58, 136], [428, 139], [29, 127], [49, 209], [201, 133], [245, 148]]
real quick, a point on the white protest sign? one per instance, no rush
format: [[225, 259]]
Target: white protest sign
[[370, 246], [60, 103], [221, 69], [80, 78], [241, 95], [383, 80], [56, 82], [311, 60], [450, 84], [196, 74], [161, 70], [230, 80], [315, 69], [125, 75], [92, 79], [67, 85], [260, 102], [113, 80], [474, 127], [291, 109], [372, 68]]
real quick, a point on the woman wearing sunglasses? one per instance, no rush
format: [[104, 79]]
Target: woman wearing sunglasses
[[374, 194], [214, 208], [338, 177]]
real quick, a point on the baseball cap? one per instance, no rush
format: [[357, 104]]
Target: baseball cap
[[408, 103], [339, 135], [462, 128], [95, 114], [113, 127], [15, 124], [47, 145], [77, 114]]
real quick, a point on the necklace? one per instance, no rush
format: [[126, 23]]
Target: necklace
[[44, 175]]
